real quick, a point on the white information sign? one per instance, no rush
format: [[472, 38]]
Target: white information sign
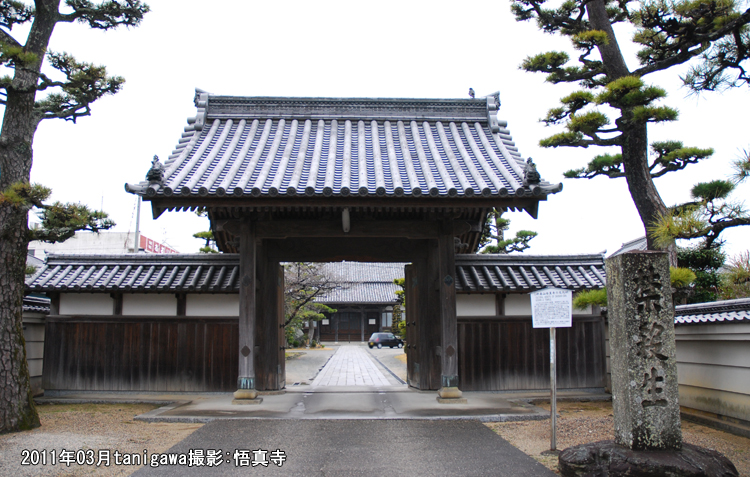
[[552, 308]]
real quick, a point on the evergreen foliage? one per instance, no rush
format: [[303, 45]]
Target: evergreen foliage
[[615, 104], [705, 264], [59, 221], [493, 236], [736, 280], [590, 297], [710, 213], [210, 245], [398, 326]]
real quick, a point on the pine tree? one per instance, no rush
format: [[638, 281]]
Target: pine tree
[[615, 104], [493, 236], [29, 96]]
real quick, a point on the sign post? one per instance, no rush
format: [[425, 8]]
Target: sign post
[[552, 308]]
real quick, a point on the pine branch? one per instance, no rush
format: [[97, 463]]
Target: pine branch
[[107, 15], [14, 13], [692, 37]]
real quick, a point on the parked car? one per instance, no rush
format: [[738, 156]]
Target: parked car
[[385, 339]]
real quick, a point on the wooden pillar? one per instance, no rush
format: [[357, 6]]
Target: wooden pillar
[[268, 369], [449, 391], [427, 316], [246, 385]]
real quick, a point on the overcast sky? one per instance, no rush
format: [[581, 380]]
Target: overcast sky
[[405, 49]]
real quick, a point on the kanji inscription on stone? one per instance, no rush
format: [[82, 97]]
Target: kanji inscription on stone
[[650, 342], [642, 350], [648, 291], [653, 388]]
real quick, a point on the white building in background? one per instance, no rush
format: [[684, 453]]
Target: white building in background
[[98, 243]]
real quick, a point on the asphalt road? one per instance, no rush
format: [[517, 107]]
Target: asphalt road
[[348, 447]]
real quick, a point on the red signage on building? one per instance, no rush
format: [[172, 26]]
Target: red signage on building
[[151, 246]]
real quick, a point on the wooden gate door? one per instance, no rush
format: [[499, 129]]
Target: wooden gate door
[[282, 336], [411, 297]]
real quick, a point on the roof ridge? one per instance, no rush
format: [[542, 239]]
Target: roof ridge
[[713, 306]]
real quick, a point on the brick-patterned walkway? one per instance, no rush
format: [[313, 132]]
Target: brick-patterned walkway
[[350, 366]]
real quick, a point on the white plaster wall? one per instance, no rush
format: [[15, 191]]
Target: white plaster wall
[[86, 304], [517, 305], [149, 305], [713, 367], [33, 333], [213, 305], [475, 305]]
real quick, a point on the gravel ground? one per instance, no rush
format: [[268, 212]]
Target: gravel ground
[[582, 422], [88, 427]]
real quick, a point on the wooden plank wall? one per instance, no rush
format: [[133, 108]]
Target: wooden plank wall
[[506, 353], [141, 354]]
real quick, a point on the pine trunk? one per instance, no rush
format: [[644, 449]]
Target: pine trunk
[[17, 410], [646, 198]]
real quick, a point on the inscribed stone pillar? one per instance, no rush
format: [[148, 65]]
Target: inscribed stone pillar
[[246, 386], [642, 341]]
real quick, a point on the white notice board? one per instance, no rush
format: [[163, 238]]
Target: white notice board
[[552, 308]]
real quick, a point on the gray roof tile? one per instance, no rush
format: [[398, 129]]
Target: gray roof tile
[[285, 147], [143, 273], [36, 304], [713, 312], [526, 273], [361, 282]]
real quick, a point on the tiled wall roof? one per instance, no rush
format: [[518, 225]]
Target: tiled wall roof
[[159, 273], [201, 273], [526, 273], [35, 304], [713, 312]]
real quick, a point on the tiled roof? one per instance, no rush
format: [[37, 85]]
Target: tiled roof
[[217, 273], [526, 273], [145, 273], [368, 292], [636, 244], [296, 147], [363, 272], [362, 282], [36, 304], [713, 312]]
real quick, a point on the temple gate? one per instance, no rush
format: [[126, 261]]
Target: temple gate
[[328, 179]]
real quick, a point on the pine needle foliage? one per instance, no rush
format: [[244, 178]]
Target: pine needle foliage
[[736, 280], [584, 299], [59, 221], [710, 213], [615, 103], [493, 236]]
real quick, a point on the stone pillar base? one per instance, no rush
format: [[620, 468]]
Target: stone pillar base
[[246, 396], [450, 395], [608, 458], [247, 401]]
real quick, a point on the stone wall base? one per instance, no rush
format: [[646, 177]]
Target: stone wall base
[[605, 458]]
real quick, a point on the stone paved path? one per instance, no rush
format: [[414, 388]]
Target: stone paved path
[[350, 366]]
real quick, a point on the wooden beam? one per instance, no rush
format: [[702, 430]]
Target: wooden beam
[[160, 203], [281, 229], [335, 249]]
